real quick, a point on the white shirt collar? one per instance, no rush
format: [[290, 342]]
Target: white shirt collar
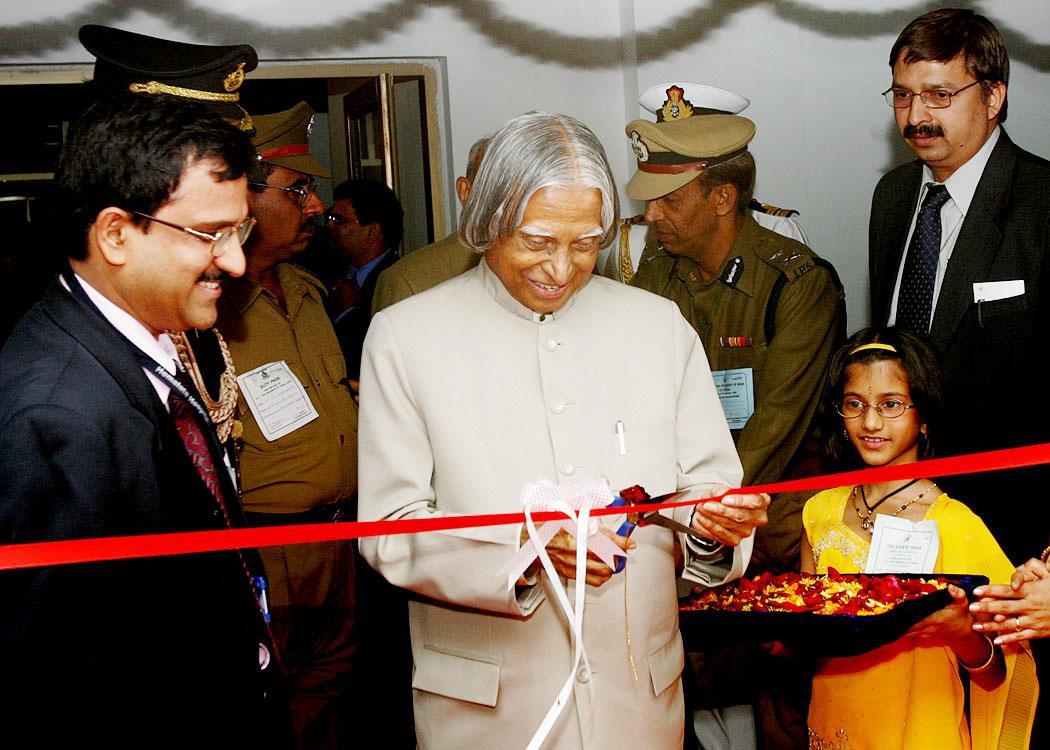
[[159, 348], [962, 183]]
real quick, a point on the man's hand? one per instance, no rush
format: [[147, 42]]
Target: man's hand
[[1018, 611], [562, 549], [730, 519]]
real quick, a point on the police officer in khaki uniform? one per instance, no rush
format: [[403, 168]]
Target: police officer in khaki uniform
[[622, 258], [767, 309], [276, 327]]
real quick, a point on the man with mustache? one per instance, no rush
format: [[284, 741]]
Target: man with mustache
[[102, 435], [212, 77], [957, 250], [298, 448], [769, 312]]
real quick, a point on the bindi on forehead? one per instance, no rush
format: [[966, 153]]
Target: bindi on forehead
[[884, 376]]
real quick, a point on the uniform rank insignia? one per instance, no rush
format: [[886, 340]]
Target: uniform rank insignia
[[735, 342], [732, 273]]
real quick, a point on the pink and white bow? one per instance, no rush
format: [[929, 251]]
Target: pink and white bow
[[571, 499], [576, 502]]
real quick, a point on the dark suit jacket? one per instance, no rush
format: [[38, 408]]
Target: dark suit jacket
[[992, 353], [352, 327], [149, 652]]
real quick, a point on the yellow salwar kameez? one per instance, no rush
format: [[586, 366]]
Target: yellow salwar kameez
[[902, 696]]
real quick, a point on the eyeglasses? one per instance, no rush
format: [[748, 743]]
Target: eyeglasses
[[891, 408], [931, 98], [303, 191], [220, 241], [337, 221]]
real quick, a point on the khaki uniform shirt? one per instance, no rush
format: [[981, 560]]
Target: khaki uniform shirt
[[789, 370], [422, 269], [317, 463]]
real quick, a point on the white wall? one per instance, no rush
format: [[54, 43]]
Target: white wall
[[813, 70]]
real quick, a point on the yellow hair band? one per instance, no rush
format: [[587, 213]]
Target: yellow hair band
[[875, 345]]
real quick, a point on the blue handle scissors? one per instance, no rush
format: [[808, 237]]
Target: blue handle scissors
[[652, 517]]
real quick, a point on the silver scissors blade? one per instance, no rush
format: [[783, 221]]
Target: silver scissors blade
[[654, 517]]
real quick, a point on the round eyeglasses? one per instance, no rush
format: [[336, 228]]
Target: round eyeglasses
[[337, 221], [931, 98], [891, 408], [303, 191], [220, 241]]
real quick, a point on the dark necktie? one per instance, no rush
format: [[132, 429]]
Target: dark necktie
[[196, 444], [915, 301]]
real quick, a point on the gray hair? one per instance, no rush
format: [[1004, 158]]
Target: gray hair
[[477, 153], [531, 152]]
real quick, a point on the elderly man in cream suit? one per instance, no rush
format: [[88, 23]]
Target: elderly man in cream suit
[[525, 368]]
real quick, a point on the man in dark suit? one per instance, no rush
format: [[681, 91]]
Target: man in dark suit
[[364, 225], [971, 273], [100, 435]]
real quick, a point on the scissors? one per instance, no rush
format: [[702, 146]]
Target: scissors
[[652, 517]]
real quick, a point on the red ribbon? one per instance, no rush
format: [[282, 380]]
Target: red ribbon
[[14, 556]]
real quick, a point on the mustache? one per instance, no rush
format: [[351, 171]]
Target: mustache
[[923, 131], [216, 275]]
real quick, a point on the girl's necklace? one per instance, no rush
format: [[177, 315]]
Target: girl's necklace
[[871, 508], [865, 518]]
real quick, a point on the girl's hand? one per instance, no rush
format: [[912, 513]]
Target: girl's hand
[[1019, 611], [945, 627]]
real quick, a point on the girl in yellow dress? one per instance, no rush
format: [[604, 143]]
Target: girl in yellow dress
[[885, 387]]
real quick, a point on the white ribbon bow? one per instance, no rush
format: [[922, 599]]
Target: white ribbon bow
[[576, 502]]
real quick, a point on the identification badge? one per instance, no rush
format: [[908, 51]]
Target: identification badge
[[736, 391], [276, 399], [902, 546]]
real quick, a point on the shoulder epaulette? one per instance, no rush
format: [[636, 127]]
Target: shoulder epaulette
[[769, 208], [791, 258]]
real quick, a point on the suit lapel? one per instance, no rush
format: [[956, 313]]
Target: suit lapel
[[107, 346], [899, 215], [113, 352], [978, 243]]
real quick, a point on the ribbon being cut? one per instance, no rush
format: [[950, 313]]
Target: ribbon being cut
[[68, 551]]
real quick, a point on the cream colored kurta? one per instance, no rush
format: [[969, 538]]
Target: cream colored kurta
[[465, 396]]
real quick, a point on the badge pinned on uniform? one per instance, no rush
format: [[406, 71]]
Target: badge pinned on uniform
[[736, 391], [735, 342], [276, 399]]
